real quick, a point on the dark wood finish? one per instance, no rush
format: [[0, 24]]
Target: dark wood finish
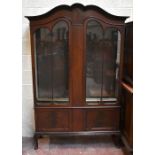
[[78, 120], [127, 89], [36, 141], [76, 117], [127, 128], [128, 117], [102, 119], [53, 119], [77, 66], [81, 133], [128, 54]]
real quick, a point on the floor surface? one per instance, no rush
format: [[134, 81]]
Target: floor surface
[[72, 146]]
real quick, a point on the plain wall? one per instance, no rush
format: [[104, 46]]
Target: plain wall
[[37, 7]]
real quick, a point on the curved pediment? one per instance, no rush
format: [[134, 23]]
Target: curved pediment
[[80, 7]]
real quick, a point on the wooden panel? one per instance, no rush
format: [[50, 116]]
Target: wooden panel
[[128, 54], [102, 119], [53, 119], [78, 119], [128, 117], [77, 66]]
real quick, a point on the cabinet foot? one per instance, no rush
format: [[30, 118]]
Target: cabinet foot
[[35, 142]]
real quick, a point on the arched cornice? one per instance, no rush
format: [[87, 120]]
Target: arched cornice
[[77, 6]]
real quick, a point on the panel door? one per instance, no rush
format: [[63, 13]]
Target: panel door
[[53, 119]]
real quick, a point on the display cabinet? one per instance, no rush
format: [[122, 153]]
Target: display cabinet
[[77, 62], [127, 89]]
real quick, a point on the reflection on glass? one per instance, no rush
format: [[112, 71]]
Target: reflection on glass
[[51, 55], [102, 60]]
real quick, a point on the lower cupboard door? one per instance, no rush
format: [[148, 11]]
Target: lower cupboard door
[[53, 120], [102, 119]]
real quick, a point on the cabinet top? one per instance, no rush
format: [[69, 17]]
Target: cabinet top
[[81, 8]]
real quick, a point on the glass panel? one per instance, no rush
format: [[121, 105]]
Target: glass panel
[[102, 61], [51, 55]]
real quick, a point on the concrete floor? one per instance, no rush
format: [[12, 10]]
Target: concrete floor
[[72, 146]]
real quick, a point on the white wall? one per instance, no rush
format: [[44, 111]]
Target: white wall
[[33, 7]]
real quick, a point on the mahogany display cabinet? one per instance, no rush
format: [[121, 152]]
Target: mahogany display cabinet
[[77, 64]]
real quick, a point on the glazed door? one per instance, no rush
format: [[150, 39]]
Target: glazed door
[[51, 55], [102, 62]]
